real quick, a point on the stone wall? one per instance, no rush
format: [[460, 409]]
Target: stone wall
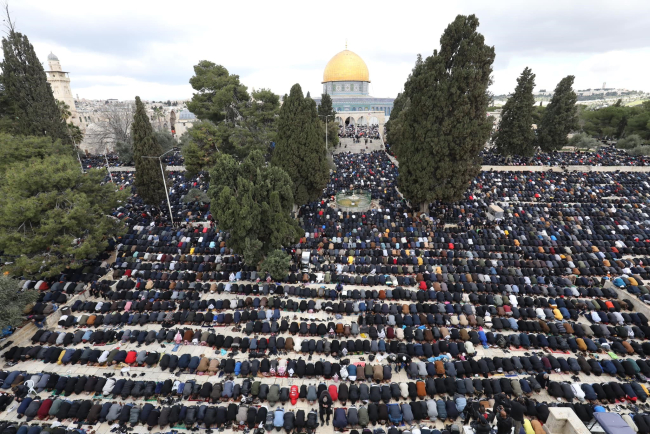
[[564, 421]]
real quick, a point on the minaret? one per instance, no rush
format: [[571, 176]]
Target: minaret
[[60, 83]]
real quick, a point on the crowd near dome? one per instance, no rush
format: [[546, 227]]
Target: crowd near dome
[[211, 282]]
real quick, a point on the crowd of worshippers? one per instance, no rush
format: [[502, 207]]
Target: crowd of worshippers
[[390, 228], [377, 403], [170, 410], [585, 234], [57, 347], [174, 158], [514, 312], [101, 161], [461, 266], [530, 319], [359, 132], [423, 391], [185, 209], [605, 156]]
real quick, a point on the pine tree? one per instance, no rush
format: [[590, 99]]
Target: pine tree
[[52, 215], [28, 106], [238, 121], [13, 301], [148, 177], [560, 117], [445, 126], [218, 93], [14, 149], [300, 148], [515, 135]]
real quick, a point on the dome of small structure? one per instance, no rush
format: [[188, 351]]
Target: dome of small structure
[[52, 57], [346, 66], [186, 115]]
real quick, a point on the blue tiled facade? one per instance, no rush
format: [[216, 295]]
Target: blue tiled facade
[[352, 96]]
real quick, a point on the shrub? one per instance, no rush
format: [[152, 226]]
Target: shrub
[[276, 264]]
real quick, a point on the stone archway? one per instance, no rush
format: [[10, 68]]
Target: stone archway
[[339, 120], [374, 120], [350, 120], [362, 121]]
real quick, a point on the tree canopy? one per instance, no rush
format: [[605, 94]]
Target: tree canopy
[[630, 142], [20, 149], [617, 121], [199, 146], [52, 215], [76, 135], [393, 124], [253, 201], [218, 93], [560, 117], [327, 114], [300, 148], [277, 264], [241, 122], [445, 127], [148, 176], [326, 108], [13, 301], [515, 135], [27, 105], [584, 141]]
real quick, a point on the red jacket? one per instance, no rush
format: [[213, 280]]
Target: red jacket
[[334, 393], [294, 394], [44, 409]]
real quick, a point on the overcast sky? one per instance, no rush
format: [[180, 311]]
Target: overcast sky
[[120, 49]]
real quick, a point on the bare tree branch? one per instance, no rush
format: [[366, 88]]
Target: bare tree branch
[[9, 25], [113, 126]]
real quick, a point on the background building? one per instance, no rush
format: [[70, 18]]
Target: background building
[[347, 80]]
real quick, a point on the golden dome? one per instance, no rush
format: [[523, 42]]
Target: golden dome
[[346, 66]]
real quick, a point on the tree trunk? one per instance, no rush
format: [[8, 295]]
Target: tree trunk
[[424, 208]]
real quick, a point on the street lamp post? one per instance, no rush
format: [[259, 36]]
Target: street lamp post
[[326, 116], [162, 171]]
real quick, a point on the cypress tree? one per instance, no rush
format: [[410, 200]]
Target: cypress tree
[[148, 177], [392, 126], [326, 108], [560, 117], [300, 148], [515, 135], [445, 127], [28, 106], [252, 201], [327, 115]]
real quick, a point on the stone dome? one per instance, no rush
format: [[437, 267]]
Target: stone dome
[[52, 57], [346, 66]]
